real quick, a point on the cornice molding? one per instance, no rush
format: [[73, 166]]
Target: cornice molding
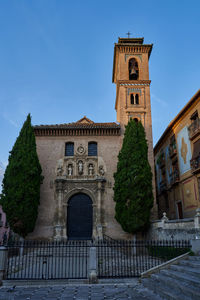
[[135, 83], [77, 132], [128, 48]]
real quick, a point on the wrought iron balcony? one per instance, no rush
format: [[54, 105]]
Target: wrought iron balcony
[[194, 129], [162, 186], [195, 164], [172, 150], [161, 160], [174, 177]]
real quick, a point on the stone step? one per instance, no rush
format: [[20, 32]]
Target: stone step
[[179, 286], [194, 257], [162, 290], [192, 280], [186, 269], [147, 293], [191, 263]]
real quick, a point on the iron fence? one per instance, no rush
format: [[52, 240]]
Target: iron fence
[[130, 258], [48, 260], [70, 259]]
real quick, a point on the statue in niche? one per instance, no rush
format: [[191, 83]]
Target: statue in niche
[[80, 167], [59, 169], [101, 171], [70, 170], [90, 170]]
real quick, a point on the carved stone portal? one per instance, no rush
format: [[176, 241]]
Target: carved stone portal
[[82, 175]]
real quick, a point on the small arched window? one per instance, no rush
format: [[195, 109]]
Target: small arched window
[[133, 69], [69, 149], [134, 99], [92, 149]]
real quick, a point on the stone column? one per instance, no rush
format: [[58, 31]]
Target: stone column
[[92, 265], [58, 227], [100, 189]]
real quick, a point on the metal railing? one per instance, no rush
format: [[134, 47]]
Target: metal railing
[[131, 258], [48, 260], [70, 259], [174, 177], [194, 128], [195, 164]]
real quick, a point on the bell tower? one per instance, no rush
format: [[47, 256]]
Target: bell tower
[[131, 76]]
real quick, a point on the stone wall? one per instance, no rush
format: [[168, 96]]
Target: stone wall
[[51, 152], [181, 229]]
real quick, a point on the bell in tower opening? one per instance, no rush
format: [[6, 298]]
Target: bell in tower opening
[[133, 69]]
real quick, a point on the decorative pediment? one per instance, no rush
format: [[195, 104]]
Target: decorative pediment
[[85, 120]]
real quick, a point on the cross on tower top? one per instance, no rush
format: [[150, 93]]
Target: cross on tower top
[[128, 33]]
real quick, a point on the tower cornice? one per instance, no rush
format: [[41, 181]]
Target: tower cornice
[[134, 82]]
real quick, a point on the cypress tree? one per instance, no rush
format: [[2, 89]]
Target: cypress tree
[[21, 183], [133, 181]]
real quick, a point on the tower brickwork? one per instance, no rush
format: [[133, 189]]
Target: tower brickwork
[[131, 76]]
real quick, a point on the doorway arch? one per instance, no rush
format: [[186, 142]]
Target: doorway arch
[[79, 217]]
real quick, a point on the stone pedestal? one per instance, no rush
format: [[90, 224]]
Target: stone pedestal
[[93, 266], [197, 219], [3, 261], [196, 246]]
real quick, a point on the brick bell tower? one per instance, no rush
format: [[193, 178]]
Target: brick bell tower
[[131, 76]]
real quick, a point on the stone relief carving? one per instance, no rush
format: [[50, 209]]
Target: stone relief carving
[[80, 149], [73, 185], [80, 166]]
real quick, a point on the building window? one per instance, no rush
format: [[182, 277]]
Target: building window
[[133, 69], [180, 209], [92, 149], [194, 116], [134, 99], [69, 149]]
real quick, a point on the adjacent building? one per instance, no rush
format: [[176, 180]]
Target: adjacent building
[[177, 164], [4, 227]]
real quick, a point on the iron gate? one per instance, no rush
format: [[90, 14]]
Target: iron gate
[[48, 260]]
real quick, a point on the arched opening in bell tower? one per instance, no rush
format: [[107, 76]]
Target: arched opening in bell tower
[[133, 69]]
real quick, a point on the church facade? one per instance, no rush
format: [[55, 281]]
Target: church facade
[[79, 159]]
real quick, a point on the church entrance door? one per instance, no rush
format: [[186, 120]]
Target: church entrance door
[[79, 217]]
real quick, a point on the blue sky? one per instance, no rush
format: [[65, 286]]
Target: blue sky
[[56, 59]]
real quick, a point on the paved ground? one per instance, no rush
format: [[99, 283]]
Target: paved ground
[[75, 292]]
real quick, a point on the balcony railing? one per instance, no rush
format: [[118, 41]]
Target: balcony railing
[[162, 186], [172, 150], [195, 164], [194, 129], [174, 177], [161, 160]]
